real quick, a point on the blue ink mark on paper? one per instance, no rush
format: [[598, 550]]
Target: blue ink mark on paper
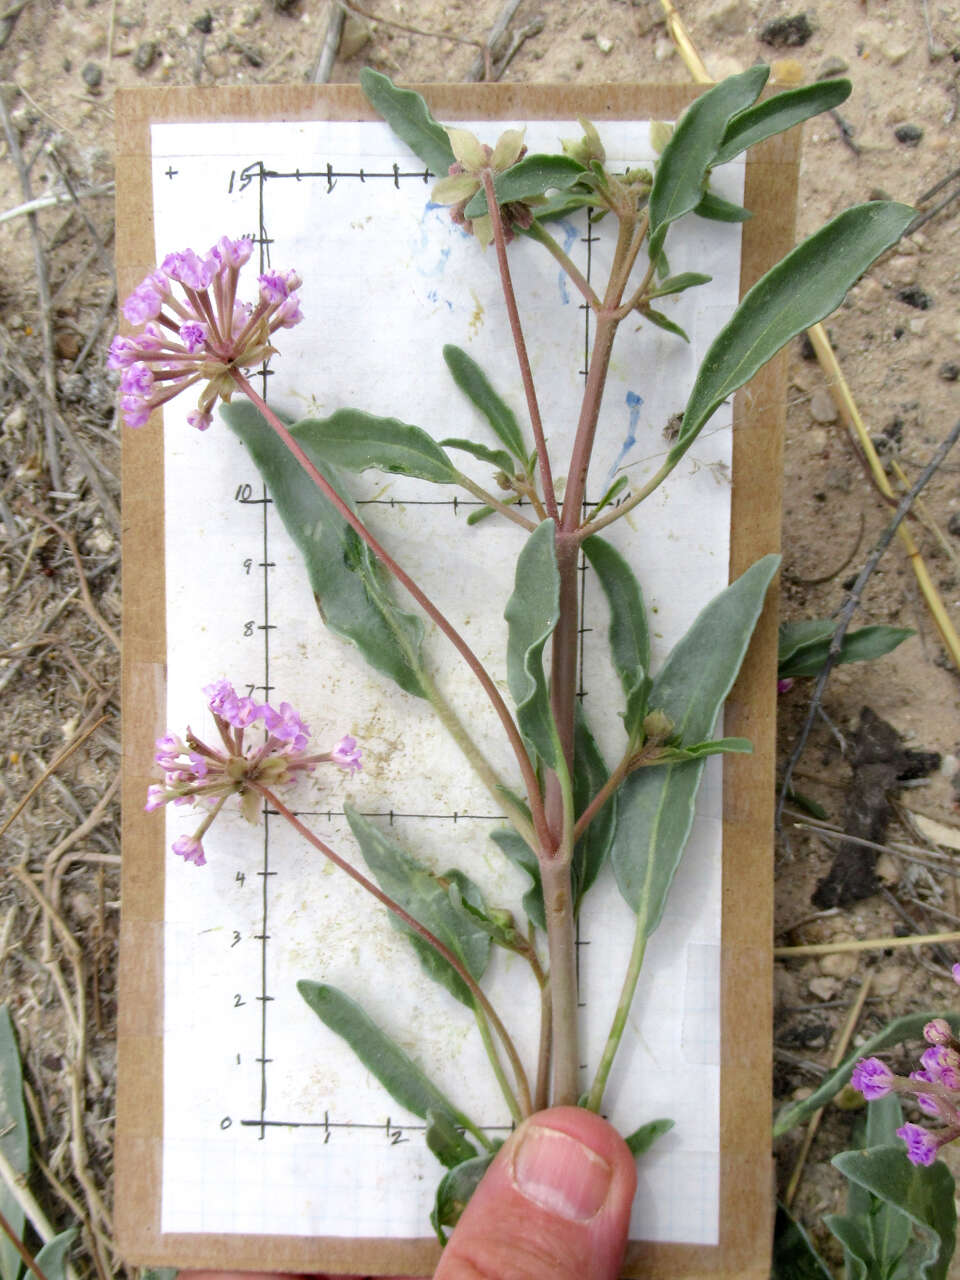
[[434, 296], [429, 253], [570, 234], [634, 404]]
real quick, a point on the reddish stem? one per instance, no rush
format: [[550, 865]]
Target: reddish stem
[[543, 458], [469, 657]]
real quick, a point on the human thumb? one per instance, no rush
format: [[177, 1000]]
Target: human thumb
[[554, 1205]]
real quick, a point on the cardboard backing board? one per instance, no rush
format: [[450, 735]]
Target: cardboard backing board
[[746, 1172]]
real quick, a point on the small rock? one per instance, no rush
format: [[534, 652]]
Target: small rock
[[918, 326], [886, 870], [817, 439], [841, 964], [82, 907], [92, 75], [914, 296], [953, 524], [66, 344], [728, 18], [101, 540], [867, 294], [146, 54], [604, 44], [355, 35], [894, 51], [204, 24], [822, 408], [878, 193], [721, 65], [832, 67], [887, 981], [825, 988], [787, 72], [902, 269], [664, 49], [787, 32], [908, 134], [217, 66], [949, 371], [16, 419]]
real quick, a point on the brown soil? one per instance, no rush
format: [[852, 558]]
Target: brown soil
[[898, 340]]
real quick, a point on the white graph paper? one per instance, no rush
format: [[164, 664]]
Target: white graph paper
[[270, 1124]]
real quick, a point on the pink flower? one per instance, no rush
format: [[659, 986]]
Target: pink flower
[[872, 1078], [203, 335], [190, 848], [207, 776], [347, 754], [922, 1145], [937, 1031]]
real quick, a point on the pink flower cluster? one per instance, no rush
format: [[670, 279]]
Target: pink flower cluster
[[203, 335], [207, 776], [936, 1087]]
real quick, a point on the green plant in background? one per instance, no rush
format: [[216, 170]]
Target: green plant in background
[[568, 812], [18, 1207], [804, 646]]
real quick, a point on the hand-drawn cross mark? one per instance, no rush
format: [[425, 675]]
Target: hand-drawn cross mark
[[171, 172]]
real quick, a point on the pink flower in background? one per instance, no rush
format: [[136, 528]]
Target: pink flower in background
[[198, 332], [206, 776], [936, 1087]]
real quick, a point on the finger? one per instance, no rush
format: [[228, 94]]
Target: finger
[[554, 1205]]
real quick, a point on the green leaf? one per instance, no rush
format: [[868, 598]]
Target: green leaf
[[862, 645], [712, 747], [663, 322], [589, 774], [481, 513], [517, 851], [681, 176], [642, 1139], [562, 205], [531, 176], [678, 283], [906, 1028], [475, 385], [794, 1257], [716, 209], [454, 1192], [656, 805], [629, 636], [496, 457], [347, 582], [924, 1194], [807, 285], [357, 441], [426, 897], [52, 1259], [886, 1229], [446, 1141], [383, 1057], [409, 117], [498, 925], [808, 804], [777, 114], [618, 486], [14, 1139], [531, 613], [794, 636]]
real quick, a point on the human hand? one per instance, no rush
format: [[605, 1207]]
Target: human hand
[[554, 1205]]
